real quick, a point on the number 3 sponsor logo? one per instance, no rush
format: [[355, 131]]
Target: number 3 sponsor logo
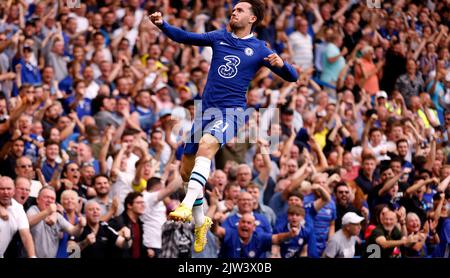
[[229, 69]]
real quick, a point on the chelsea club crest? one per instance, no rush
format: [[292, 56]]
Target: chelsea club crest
[[248, 51]]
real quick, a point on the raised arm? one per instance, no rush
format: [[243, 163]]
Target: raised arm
[[265, 172], [390, 183], [278, 238], [325, 197], [173, 185], [413, 188], [180, 35], [281, 68]]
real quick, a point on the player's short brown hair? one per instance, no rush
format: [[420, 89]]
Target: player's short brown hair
[[258, 9]]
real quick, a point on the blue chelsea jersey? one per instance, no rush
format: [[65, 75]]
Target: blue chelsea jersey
[[233, 247], [234, 63], [292, 247]]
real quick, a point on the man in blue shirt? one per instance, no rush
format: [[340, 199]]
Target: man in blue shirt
[[304, 243], [50, 165], [237, 56], [246, 242], [78, 102], [29, 72], [245, 205]]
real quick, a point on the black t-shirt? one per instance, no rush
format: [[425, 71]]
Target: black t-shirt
[[375, 199], [105, 241], [394, 67], [396, 234], [413, 204]]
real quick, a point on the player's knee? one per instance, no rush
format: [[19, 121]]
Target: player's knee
[[185, 174], [208, 142]]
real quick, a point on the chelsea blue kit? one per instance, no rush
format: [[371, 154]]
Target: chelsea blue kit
[[234, 63]]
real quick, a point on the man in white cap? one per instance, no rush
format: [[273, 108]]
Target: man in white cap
[[382, 99], [342, 243]]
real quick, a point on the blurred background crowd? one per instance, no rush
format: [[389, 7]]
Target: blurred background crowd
[[95, 104]]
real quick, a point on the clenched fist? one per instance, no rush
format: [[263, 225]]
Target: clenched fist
[[156, 18], [90, 238]]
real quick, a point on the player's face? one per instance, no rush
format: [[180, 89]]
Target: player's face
[[242, 16]]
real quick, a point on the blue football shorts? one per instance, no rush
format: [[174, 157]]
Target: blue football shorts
[[223, 127]]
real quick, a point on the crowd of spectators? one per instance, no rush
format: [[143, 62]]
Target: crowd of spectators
[[95, 104]]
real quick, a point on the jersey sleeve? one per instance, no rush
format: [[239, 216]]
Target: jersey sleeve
[[63, 223], [376, 233], [287, 72], [185, 37]]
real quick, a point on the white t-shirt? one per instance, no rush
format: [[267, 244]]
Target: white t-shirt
[[17, 220], [131, 36], [35, 187], [106, 56], [91, 90], [302, 49], [131, 162], [122, 187], [153, 218], [340, 246], [82, 22]]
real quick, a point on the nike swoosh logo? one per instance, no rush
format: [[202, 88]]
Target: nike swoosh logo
[[224, 43]]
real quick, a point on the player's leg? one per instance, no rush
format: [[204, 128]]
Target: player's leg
[[187, 164], [183, 213], [207, 148]]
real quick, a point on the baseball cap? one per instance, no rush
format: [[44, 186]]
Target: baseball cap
[[186, 88], [27, 48], [351, 218], [287, 111], [382, 94], [30, 22], [188, 103], [164, 112], [160, 85]]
